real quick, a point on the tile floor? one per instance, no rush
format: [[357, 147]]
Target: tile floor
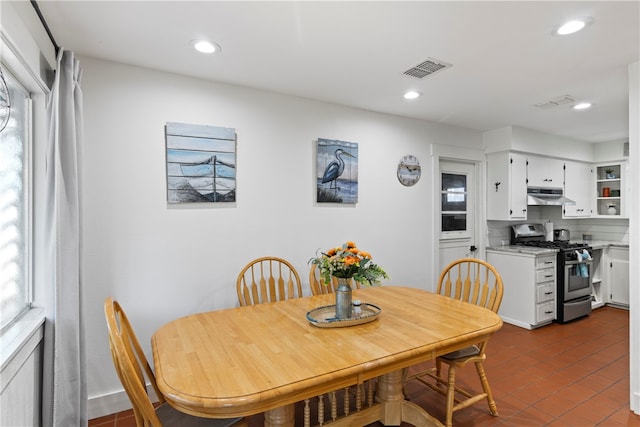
[[572, 375]]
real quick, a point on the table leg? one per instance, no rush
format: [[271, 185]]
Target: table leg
[[283, 416], [395, 409], [391, 397]]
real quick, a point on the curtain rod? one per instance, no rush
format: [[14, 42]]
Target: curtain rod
[[45, 25]]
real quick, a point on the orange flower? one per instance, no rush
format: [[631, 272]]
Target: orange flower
[[354, 251], [331, 252], [365, 254], [350, 244], [350, 260]]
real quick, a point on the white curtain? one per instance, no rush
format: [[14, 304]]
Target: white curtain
[[64, 400]]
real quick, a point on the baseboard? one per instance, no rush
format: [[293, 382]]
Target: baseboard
[[635, 402], [107, 404], [516, 322]]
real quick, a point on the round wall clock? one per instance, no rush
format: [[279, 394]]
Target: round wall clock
[[409, 170]]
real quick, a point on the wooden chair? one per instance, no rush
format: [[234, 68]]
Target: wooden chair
[[134, 370], [319, 288], [268, 279], [476, 282]]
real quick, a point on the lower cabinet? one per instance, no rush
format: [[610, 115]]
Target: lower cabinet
[[618, 275], [598, 281], [529, 299]]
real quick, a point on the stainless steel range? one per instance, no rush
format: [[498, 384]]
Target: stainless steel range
[[574, 266]]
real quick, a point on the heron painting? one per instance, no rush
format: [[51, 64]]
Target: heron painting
[[336, 171], [201, 163]]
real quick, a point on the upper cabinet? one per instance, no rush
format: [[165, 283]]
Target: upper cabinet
[[578, 184], [544, 172], [506, 186], [611, 190], [509, 174]]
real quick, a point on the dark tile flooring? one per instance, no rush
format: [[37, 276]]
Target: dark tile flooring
[[574, 375]]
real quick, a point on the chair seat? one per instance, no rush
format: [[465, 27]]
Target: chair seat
[[472, 350], [173, 418]]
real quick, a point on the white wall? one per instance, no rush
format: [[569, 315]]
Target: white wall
[[634, 227], [521, 139], [165, 261]]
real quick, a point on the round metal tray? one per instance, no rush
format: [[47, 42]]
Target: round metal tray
[[325, 317]]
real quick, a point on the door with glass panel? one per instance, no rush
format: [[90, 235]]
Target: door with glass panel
[[457, 207]]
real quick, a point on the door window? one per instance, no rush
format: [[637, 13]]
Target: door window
[[454, 202]]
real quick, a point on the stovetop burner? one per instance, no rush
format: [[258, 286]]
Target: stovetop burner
[[556, 244]]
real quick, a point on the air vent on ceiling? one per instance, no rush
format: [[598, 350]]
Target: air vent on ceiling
[[552, 103], [426, 68]]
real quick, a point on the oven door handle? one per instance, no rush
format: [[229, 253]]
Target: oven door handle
[[586, 261]]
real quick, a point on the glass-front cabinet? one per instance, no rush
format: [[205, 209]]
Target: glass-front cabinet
[[610, 190]]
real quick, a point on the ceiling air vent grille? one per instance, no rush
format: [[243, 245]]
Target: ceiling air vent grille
[[552, 103], [426, 68]]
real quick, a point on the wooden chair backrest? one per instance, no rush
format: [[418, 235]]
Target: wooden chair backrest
[[318, 287], [268, 279], [474, 281], [131, 365]]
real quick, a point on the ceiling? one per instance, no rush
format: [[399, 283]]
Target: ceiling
[[505, 58]]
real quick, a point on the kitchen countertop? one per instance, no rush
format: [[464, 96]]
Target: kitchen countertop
[[532, 250], [602, 244], [525, 250]]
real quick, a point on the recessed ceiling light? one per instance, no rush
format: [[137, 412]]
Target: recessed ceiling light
[[206, 46], [573, 26], [582, 106], [412, 94]]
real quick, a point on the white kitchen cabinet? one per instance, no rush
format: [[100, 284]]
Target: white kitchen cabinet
[[545, 172], [598, 272], [611, 190], [578, 185], [618, 275], [529, 299], [507, 186]]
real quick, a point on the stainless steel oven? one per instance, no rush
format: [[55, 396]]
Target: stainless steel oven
[[574, 284]]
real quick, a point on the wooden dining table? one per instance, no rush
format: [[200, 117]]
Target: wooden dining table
[[266, 357]]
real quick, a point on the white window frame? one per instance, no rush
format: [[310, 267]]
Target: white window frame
[[27, 198]]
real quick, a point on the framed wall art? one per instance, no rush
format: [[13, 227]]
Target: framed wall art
[[201, 163], [336, 171]]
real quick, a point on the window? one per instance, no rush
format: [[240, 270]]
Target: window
[[454, 202], [15, 278]]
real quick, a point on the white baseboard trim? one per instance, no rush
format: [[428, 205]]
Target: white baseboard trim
[[516, 322], [635, 402], [107, 404]]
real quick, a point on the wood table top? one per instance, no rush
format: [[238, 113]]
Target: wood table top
[[247, 360]]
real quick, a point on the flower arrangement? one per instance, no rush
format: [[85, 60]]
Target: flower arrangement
[[347, 261]]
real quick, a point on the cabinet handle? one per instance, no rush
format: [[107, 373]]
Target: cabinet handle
[[548, 262], [548, 275], [548, 293], [548, 312]]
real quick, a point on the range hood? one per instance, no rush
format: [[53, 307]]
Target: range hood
[[547, 197]]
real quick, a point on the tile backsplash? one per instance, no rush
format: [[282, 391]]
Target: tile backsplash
[[615, 230]]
